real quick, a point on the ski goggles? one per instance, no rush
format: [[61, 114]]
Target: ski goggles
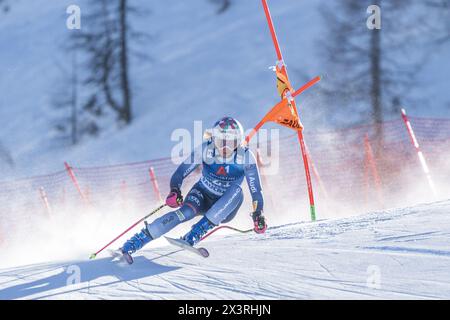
[[222, 143]]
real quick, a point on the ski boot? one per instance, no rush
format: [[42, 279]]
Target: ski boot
[[135, 243], [198, 231]]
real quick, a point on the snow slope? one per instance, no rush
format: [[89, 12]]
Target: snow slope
[[395, 254]]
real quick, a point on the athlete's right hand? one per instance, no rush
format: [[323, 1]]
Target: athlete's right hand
[[175, 198]]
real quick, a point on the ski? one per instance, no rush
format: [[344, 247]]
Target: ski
[[184, 245], [117, 255]]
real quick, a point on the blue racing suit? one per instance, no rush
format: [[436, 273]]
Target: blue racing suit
[[218, 194]]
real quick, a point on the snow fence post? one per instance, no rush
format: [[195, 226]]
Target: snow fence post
[[416, 145], [45, 201], [373, 167], [72, 176], [155, 184]]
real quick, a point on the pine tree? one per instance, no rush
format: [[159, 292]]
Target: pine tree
[[70, 120], [5, 156], [368, 68], [224, 5], [105, 42], [5, 6], [440, 30]]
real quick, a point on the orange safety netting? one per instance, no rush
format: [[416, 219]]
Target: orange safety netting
[[345, 176]]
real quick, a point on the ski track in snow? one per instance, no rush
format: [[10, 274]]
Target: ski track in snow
[[329, 259]]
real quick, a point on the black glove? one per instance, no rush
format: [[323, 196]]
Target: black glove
[[259, 222]]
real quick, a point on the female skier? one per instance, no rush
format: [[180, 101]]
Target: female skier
[[217, 195]]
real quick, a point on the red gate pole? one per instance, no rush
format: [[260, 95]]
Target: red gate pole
[[155, 184], [45, 201], [75, 182], [308, 175], [280, 63], [416, 145], [373, 167]]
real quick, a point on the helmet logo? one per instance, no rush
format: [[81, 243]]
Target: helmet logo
[[227, 123]]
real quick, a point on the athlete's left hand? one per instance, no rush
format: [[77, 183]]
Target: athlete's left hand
[[175, 198], [259, 222]]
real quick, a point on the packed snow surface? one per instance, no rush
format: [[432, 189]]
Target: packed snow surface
[[394, 254]]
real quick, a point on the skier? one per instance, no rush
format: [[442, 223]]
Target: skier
[[217, 195]]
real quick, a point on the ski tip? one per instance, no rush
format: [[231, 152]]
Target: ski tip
[[93, 256]]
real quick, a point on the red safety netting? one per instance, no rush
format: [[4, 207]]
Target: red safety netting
[[352, 170]]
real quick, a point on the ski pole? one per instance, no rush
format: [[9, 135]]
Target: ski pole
[[227, 227], [135, 224]]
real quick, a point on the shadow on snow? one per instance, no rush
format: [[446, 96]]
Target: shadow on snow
[[90, 270]]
